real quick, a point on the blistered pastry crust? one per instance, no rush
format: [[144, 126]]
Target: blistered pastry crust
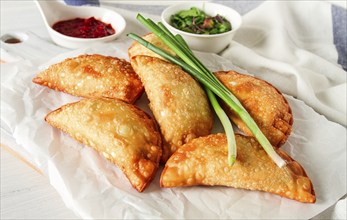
[[93, 76], [178, 102], [203, 161], [267, 106], [122, 133]]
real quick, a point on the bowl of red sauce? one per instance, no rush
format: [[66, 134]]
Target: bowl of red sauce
[[80, 26]]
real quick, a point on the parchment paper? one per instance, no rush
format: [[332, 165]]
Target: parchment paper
[[94, 188]]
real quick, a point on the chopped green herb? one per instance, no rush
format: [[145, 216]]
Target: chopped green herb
[[196, 21]]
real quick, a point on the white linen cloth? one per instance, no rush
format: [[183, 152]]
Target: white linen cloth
[[290, 44]]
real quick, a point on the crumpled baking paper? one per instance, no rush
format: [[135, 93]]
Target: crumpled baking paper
[[95, 189]]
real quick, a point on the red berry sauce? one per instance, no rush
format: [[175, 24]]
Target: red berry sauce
[[84, 28]]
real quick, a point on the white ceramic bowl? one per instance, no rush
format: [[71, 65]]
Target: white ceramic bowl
[[53, 11], [207, 43]]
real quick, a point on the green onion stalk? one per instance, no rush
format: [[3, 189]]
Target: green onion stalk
[[187, 60]]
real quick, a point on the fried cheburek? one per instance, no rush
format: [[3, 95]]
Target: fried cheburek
[[122, 133], [203, 161], [93, 76], [267, 106], [179, 104]]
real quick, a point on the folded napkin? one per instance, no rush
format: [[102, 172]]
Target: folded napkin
[[300, 47]]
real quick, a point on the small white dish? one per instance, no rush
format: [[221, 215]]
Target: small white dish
[[54, 11], [206, 43]]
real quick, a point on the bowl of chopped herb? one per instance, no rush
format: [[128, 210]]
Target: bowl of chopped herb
[[205, 26]]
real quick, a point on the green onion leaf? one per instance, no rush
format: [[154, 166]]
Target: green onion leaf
[[228, 128]]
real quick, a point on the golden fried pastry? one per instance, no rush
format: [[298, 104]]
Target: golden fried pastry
[[137, 49], [93, 76], [122, 133], [203, 161], [264, 103], [177, 101]]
